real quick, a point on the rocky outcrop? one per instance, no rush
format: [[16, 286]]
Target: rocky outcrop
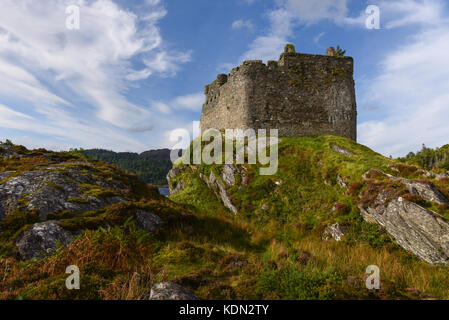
[[40, 239], [52, 189], [335, 232], [425, 190], [169, 291], [341, 150], [437, 176], [7, 151], [172, 174], [148, 221], [179, 187], [415, 228], [230, 172], [5, 175], [341, 182], [220, 190]]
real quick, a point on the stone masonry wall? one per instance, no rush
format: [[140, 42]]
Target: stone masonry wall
[[300, 95]]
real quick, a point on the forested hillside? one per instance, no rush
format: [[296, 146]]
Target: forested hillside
[[430, 158], [150, 166]]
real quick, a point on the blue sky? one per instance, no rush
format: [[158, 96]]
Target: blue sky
[[135, 70]]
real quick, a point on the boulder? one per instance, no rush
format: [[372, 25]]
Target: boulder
[[7, 151], [425, 190], [341, 182], [341, 150], [50, 189], [41, 239], [335, 232], [5, 175], [148, 221], [169, 291], [416, 229], [434, 175]]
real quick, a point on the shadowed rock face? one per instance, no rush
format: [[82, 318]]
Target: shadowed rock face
[[40, 239], [419, 230], [170, 291], [7, 151], [172, 174], [148, 221]]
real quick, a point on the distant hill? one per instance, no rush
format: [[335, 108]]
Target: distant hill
[[150, 166]]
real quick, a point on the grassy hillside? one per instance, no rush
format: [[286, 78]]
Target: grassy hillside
[[285, 215], [271, 249]]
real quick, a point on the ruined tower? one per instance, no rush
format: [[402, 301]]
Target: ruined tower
[[301, 94]]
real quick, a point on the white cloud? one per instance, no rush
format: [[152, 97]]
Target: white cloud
[[290, 13], [189, 102], [54, 70], [7, 114], [161, 107], [141, 128], [414, 94], [318, 37], [242, 24], [268, 47], [166, 63], [406, 12], [192, 102], [312, 11]]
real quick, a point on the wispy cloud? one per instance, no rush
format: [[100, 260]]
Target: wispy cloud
[[267, 47], [77, 79], [413, 91], [318, 37], [192, 102], [243, 24]]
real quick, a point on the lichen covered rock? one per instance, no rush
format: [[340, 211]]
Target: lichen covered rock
[[148, 221], [416, 229], [170, 291], [335, 232], [42, 238]]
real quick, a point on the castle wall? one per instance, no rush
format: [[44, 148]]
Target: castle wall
[[298, 95]]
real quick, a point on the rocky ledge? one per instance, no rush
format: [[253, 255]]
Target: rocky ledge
[[414, 227], [45, 196]]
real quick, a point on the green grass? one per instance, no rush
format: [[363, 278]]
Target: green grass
[[272, 249], [290, 210]]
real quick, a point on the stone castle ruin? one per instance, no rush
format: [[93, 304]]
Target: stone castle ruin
[[301, 94]]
